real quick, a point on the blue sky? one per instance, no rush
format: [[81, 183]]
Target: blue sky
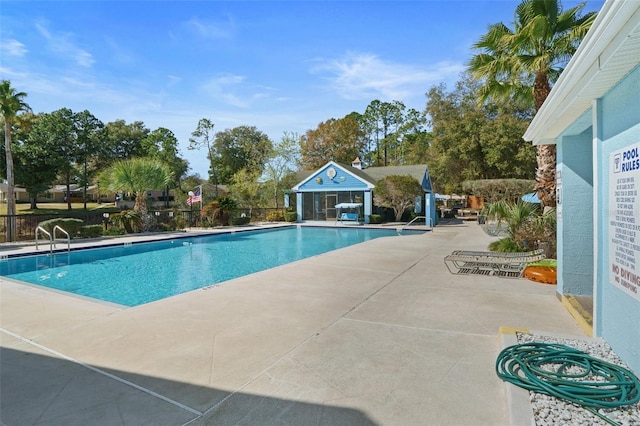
[[279, 66]]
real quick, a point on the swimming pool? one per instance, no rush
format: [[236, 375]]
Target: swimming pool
[[140, 273]]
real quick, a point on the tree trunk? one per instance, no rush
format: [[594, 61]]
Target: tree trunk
[[11, 199], [546, 175], [140, 205], [85, 181], [146, 220], [546, 154], [68, 179]]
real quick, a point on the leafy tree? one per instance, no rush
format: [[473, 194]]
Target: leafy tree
[[469, 142], [493, 190], [246, 188], [243, 147], [60, 143], [522, 64], [11, 104], [409, 138], [204, 136], [35, 168], [389, 130], [416, 148], [382, 121], [163, 145], [123, 141], [397, 192], [338, 140], [87, 128], [137, 175], [57, 132], [281, 163]]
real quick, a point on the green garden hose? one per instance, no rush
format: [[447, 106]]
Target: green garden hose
[[569, 374]]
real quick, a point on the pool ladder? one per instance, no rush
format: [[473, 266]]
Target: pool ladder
[[431, 225], [52, 239]]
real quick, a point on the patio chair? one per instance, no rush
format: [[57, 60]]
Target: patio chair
[[534, 254], [505, 265]]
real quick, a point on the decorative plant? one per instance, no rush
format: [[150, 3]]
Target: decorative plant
[[526, 226], [127, 219], [220, 210], [137, 175]]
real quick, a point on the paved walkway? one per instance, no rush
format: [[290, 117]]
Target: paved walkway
[[375, 334]]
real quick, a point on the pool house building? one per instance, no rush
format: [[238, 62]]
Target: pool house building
[[324, 194]]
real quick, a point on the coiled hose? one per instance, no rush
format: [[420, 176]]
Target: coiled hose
[[569, 374]]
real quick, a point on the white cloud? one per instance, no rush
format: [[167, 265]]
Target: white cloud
[[13, 47], [62, 44], [43, 31], [366, 76], [173, 80], [232, 90], [119, 54], [210, 29]]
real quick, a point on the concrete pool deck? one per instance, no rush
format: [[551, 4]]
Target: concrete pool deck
[[379, 333]]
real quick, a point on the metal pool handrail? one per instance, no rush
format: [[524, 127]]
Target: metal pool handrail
[[52, 239], [44, 231], [64, 232], [431, 225]]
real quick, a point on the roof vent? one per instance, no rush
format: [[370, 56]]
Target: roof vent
[[357, 164]]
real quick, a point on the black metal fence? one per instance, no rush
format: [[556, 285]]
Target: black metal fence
[[25, 225]]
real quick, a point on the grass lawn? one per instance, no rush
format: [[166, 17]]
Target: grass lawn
[[44, 208]]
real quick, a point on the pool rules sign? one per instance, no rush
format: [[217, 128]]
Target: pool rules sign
[[624, 220]]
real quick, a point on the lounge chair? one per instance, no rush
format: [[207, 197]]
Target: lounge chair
[[534, 255], [506, 265]]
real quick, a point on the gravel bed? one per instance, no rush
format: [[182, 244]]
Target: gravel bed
[[548, 410]]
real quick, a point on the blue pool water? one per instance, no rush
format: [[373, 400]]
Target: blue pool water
[[141, 273]]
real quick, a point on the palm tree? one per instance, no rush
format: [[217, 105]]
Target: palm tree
[[137, 175], [524, 62], [11, 103]]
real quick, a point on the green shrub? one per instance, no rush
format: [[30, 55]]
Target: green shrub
[[237, 221], [91, 231], [171, 226], [506, 245], [275, 216], [375, 218], [114, 230], [290, 216], [130, 220], [492, 190], [70, 225], [180, 222]]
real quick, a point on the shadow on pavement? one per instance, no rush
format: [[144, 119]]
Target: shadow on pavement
[[38, 389]]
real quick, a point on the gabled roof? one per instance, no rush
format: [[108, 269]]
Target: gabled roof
[[72, 187], [610, 51], [374, 174], [4, 188], [305, 176], [416, 171]]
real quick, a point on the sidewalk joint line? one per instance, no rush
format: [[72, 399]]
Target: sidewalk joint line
[[411, 327], [104, 373]]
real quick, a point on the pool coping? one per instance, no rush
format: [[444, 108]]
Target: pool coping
[[28, 248]]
